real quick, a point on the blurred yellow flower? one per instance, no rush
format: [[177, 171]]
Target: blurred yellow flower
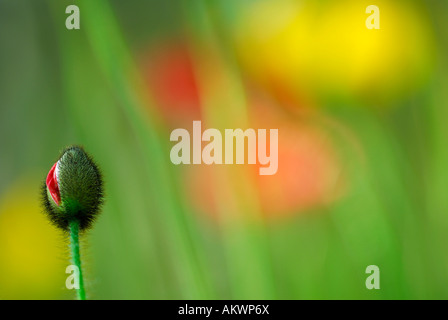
[[324, 47], [32, 260]]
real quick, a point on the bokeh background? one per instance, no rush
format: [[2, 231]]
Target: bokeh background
[[363, 147]]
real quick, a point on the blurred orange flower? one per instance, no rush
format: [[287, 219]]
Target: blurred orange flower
[[310, 173]]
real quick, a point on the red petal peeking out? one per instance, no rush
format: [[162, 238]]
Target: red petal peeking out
[[52, 184]]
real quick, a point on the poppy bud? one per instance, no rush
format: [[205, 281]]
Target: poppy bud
[[73, 190]]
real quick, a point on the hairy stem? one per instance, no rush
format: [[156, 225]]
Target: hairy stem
[[76, 257]]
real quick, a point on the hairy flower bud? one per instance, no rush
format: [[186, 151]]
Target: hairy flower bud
[[73, 190]]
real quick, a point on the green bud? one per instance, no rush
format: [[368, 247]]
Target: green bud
[[73, 190]]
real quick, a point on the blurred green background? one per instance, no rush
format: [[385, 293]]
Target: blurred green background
[[362, 178]]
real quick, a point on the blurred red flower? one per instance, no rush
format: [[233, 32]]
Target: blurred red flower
[[169, 73]]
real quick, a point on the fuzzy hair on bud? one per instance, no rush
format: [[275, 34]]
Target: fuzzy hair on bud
[[73, 190]]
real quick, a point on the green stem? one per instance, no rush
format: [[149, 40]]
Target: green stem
[[76, 257]]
